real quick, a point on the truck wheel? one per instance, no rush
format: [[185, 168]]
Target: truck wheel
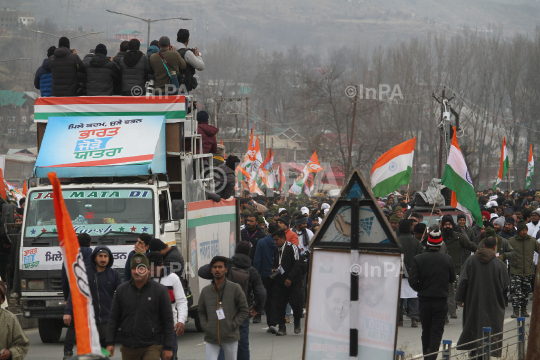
[[197, 321], [50, 330]]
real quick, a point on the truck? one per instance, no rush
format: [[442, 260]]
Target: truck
[[124, 171]]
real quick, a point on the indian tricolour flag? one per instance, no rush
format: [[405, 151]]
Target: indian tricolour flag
[[530, 170], [456, 177], [393, 169], [503, 166]]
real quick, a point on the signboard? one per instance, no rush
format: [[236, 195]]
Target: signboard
[[103, 146], [211, 226], [173, 107], [331, 310], [50, 257]]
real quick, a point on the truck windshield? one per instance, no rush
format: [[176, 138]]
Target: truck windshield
[[93, 211]]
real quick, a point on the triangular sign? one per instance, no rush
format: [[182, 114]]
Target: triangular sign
[[374, 231]]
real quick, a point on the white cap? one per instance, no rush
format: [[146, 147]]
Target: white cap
[[280, 210], [304, 210], [325, 206]]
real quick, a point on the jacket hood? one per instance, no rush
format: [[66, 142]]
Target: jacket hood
[[209, 130], [86, 251], [241, 260], [152, 50], [98, 60], [46, 64], [131, 58], [484, 255], [95, 252], [62, 52]]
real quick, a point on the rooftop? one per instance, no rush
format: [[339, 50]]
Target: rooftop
[[127, 32], [8, 97]]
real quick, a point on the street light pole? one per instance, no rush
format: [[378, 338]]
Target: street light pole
[[59, 36], [148, 22]]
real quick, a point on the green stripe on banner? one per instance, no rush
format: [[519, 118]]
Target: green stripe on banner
[[214, 219], [393, 183], [168, 114], [465, 193]]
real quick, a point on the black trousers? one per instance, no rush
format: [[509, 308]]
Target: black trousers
[[70, 335], [270, 305], [432, 315], [289, 295]]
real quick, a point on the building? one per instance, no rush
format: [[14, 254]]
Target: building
[[128, 35], [16, 114], [19, 167], [10, 19]]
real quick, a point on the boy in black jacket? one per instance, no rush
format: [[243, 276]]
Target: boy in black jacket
[[288, 280]]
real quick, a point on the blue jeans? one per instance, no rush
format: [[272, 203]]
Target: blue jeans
[[288, 311], [243, 344]]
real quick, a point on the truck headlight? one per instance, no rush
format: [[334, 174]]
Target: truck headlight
[[36, 285], [23, 284]]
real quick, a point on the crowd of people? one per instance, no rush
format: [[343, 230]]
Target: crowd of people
[[163, 69]]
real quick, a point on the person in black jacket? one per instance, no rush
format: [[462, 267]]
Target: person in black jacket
[[65, 67], [102, 74], [225, 178], [252, 233], [288, 279], [173, 261], [142, 245], [103, 281], [430, 274], [142, 307], [135, 68], [43, 77], [124, 47]]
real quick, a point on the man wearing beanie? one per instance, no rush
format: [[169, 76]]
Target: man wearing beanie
[[522, 269], [509, 230], [137, 304], [394, 223], [455, 243], [467, 231], [429, 274], [13, 341], [43, 77], [65, 67], [498, 224], [410, 247], [102, 74]]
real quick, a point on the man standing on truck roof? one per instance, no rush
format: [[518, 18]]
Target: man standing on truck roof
[[222, 309], [455, 242], [103, 281], [142, 246], [165, 62], [142, 308]]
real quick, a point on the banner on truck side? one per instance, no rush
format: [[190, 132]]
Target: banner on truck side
[[103, 146]]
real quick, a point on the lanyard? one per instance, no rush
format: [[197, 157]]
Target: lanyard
[[247, 232], [281, 254]]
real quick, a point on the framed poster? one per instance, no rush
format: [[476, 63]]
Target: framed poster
[[331, 314]]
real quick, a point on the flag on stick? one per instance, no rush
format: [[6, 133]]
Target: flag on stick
[[83, 310], [305, 180], [530, 170], [504, 165], [456, 177]]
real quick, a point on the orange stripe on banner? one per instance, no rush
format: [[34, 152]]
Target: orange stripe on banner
[[209, 204], [2, 186], [106, 162], [404, 148], [453, 201], [70, 244], [96, 100]]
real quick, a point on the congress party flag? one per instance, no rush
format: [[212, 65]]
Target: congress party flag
[[251, 183], [83, 311], [305, 180], [456, 177], [504, 165], [393, 169], [266, 171]]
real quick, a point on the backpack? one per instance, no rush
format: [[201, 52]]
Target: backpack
[[241, 277], [186, 76]]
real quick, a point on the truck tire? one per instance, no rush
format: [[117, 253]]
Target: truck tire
[[50, 330], [195, 316]]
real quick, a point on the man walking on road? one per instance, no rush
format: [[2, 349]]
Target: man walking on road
[[483, 281], [13, 342], [430, 274], [142, 308], [222, 308]]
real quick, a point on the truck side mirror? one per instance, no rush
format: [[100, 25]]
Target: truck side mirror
[[177, 209]]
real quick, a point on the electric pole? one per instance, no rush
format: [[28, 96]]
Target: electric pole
[[445, 130]]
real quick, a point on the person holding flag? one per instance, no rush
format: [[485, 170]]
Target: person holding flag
[[504, 165], [393, 169]]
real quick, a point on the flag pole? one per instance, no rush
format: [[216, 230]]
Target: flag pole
[[408, 192], [432, 210]]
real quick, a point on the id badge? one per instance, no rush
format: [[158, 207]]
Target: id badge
[[281, 270], [220, 314]]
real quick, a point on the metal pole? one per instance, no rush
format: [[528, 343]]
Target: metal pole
[[447, 349], [352, 131], [215, 112], [533, 346], [400, 355], [487, 343], [247, 118], [148, 39]]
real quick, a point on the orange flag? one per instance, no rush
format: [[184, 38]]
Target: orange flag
[[83, 310], [25, 188], [224, 155], [2, 186]]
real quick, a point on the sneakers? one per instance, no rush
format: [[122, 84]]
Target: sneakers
[[453, 316], [67, 354], [287, 320], [257, 319], [524, 312], [297, 329], [272, 330], [414, 322], [515, 314], [282, 331]]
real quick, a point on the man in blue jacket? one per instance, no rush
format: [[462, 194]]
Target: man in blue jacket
[[142, 246], [263, 263], [43, 77], [103, 281]]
